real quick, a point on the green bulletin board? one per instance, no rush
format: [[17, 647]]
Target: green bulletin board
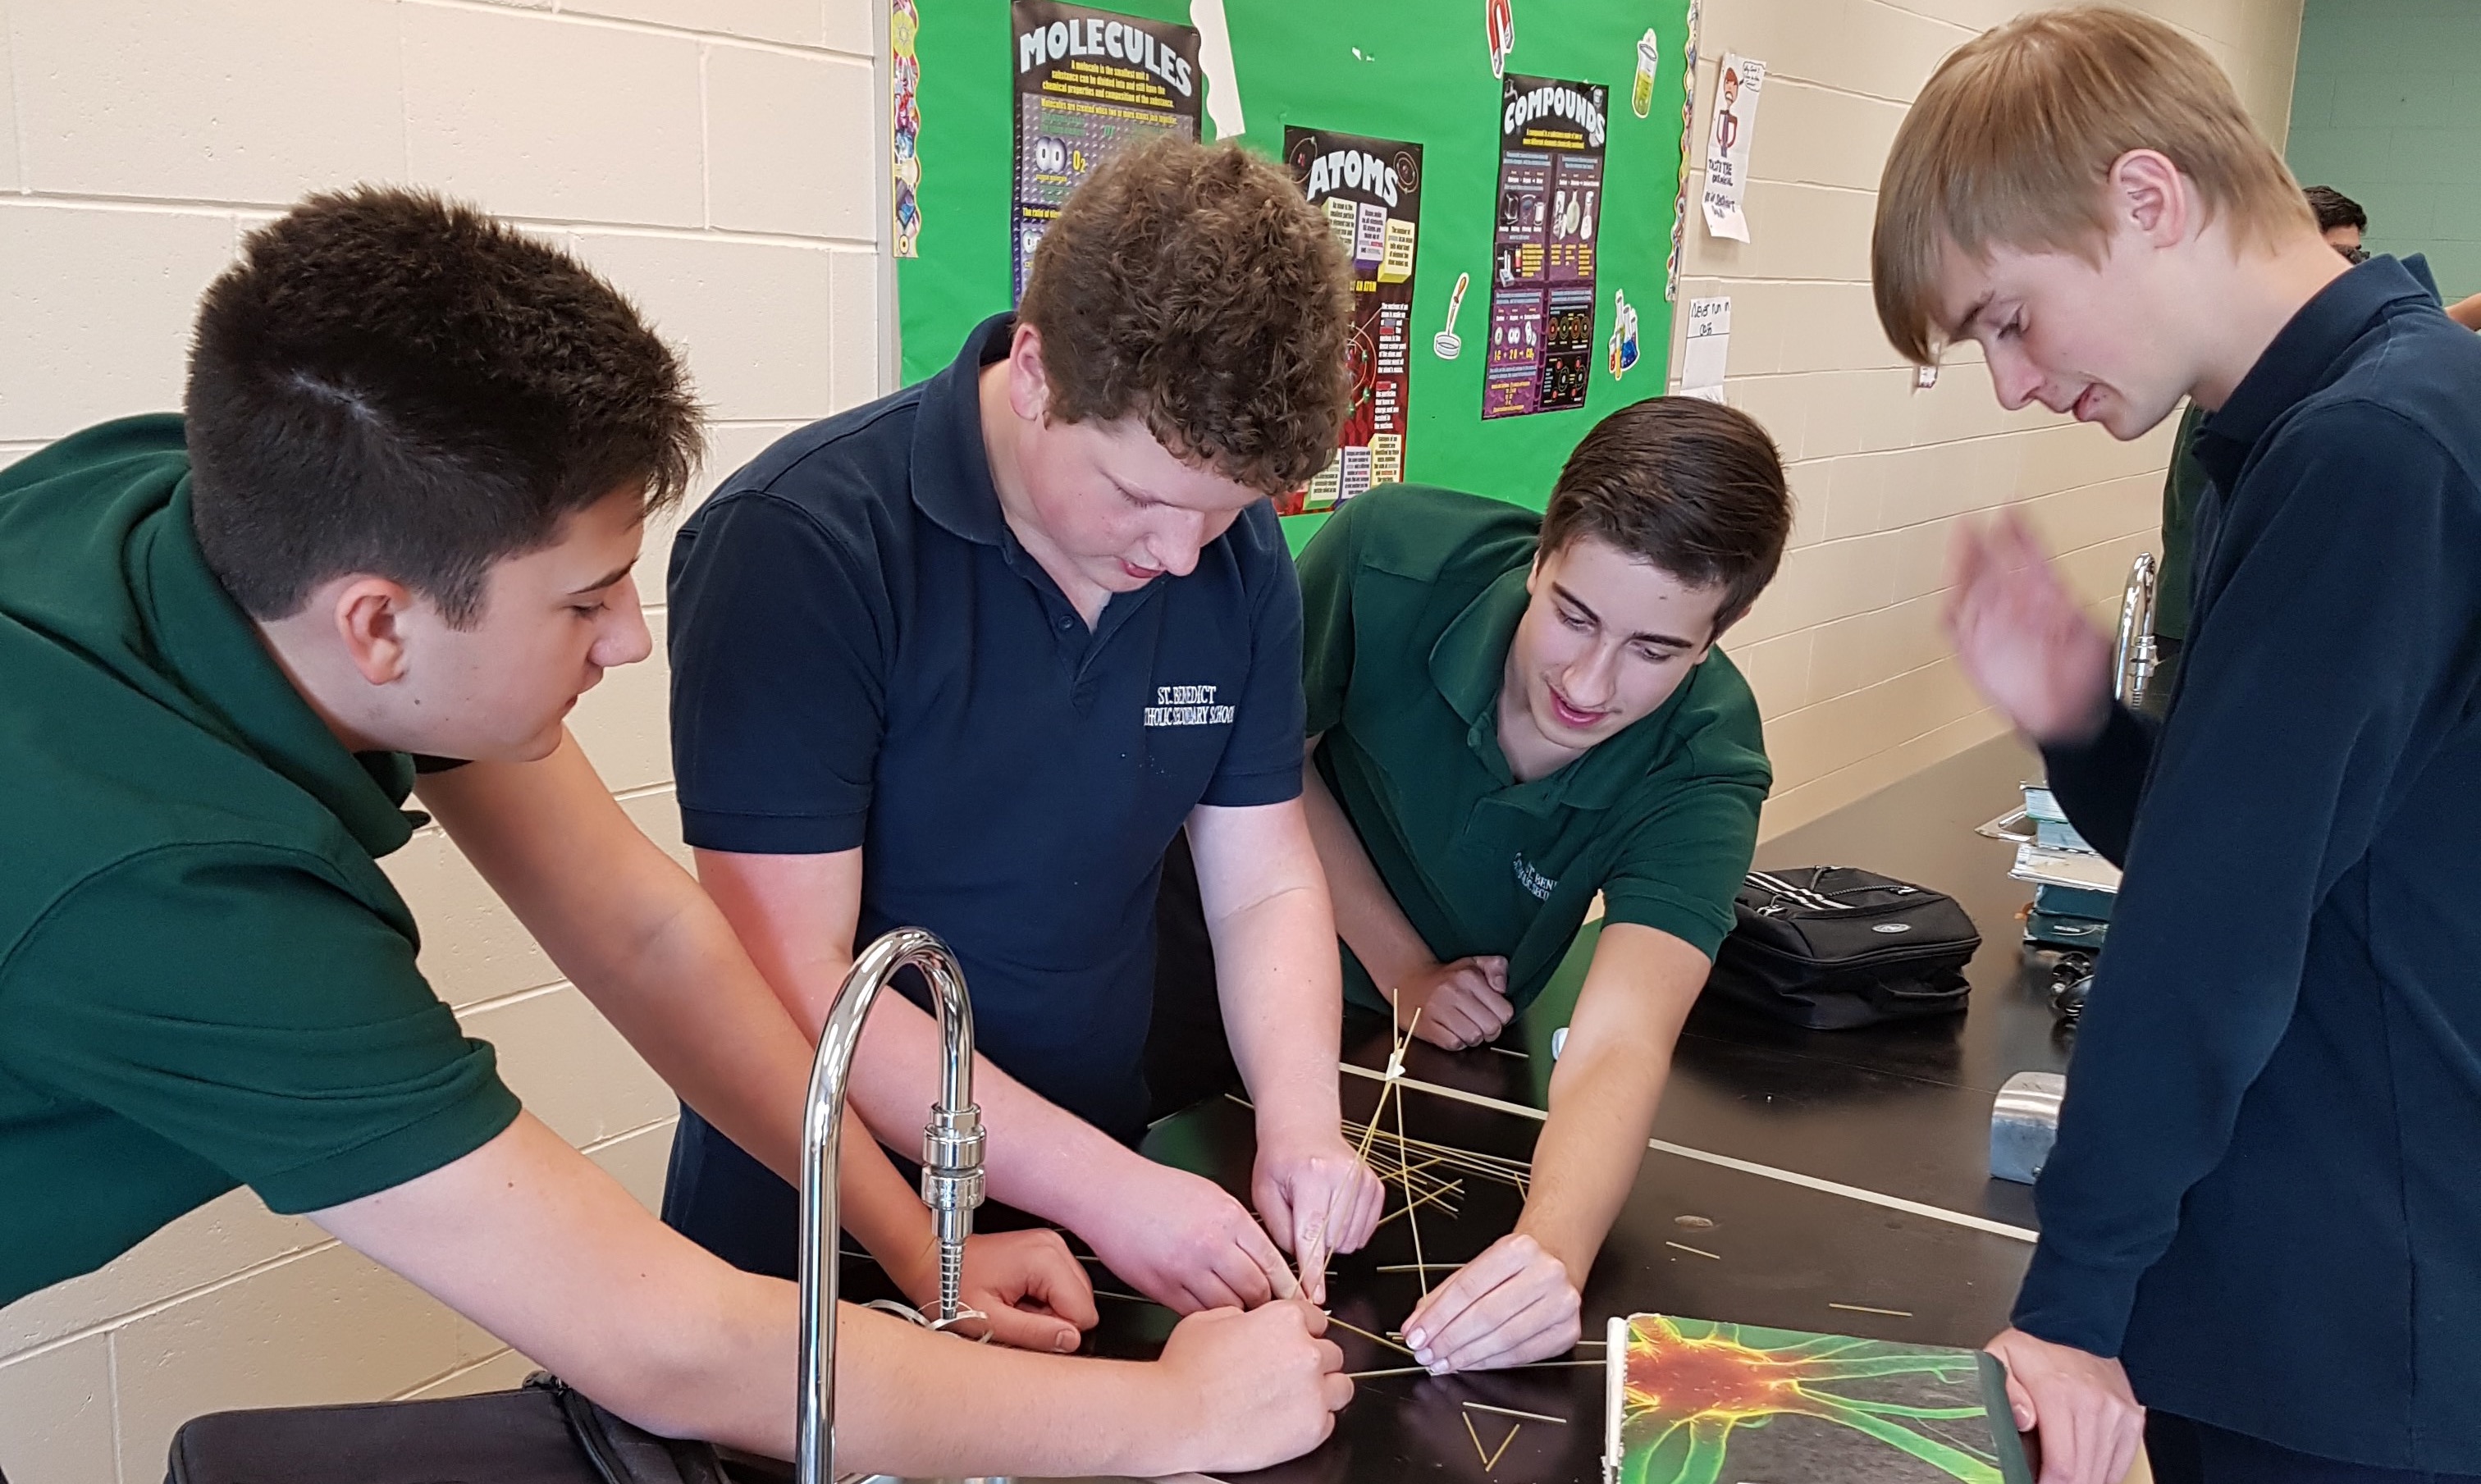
[[1416, 70]]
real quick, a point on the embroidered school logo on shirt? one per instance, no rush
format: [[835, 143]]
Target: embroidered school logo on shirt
[[1535, 881], [1187, 706]]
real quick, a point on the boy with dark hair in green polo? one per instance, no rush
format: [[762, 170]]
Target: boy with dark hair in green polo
[[1509, 713], [400, 520]]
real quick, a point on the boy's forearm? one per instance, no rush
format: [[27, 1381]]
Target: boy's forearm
[[920, 1405], [1366, 916], [907, 1401], [1283, 1009], [1586, 1161], [694, 1007], [1039, 1156], [530, 1239], [1606, 1087], [732, 1051]]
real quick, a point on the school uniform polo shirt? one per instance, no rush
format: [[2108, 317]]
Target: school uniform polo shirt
[[2266, 1193], [864, 655], [205, 979], [1411, 596]]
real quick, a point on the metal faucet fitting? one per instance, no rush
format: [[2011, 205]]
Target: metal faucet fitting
[[952, 1164], [2133, 654]]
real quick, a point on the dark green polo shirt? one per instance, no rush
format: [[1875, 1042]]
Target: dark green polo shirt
[[1410, 597], [2183, 484], [205, 979]]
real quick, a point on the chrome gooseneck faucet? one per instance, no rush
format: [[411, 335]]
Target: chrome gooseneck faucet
[[2133, 654], [952, 1165]]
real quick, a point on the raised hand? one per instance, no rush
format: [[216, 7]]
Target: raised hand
[[2020, 636]]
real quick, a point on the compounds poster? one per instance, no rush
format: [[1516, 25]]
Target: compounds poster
[[1371, 190], [1542, 272], [1088, 85]]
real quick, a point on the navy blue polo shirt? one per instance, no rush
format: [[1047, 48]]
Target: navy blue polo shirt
[[2264, 1197], [863, 655]]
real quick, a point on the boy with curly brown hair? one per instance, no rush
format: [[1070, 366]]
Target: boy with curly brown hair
[[968, 657]]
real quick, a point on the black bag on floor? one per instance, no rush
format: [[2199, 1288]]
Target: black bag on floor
[[1832, 947], [541, 1433]]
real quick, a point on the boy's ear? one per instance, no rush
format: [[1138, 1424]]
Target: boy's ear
[[1029, 379], [369, 614], [2148, 192]]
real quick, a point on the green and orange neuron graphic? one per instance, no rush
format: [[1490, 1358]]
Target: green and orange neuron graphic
[[1696, 1395]]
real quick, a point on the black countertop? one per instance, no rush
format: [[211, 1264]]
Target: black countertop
[[1806, 1170]]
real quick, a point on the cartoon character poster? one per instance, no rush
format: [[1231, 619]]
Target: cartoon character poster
[[1370, 193], [1088, 85], [1728, 142], [1551, 136]]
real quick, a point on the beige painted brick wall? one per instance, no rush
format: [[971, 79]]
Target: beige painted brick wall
[[1844, 651], [703, 154]]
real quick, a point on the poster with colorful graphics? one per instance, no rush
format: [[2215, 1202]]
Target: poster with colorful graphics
[[1088, 85], [1692, 1401], [904, 121], [1743, 81], [1371, 192], [1551, 138]]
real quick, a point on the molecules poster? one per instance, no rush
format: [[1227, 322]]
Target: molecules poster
[[1088, 85], [1371, 192], [1697, 1402], [1551, 141], [1390, 71]]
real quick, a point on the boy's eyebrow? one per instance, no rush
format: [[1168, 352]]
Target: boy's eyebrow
[[1579, 604], [1963, 326], [606, 581]]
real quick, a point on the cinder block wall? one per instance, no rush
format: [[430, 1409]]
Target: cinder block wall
[[713, 157], [1844, 651], [2386, 114]]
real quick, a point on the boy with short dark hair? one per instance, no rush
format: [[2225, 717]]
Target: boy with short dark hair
[[969, 656], [399, 521], [1508, 715], [2262, 1201]]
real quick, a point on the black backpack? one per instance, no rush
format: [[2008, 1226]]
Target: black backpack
[[541, 1433], [1834, 947]]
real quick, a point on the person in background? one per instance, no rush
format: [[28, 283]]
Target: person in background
[[966, 658], [397, 527], [2341, 222], [1510, 714], [2260, 1219]]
